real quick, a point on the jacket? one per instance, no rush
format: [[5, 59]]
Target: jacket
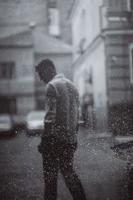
[[62, 103]]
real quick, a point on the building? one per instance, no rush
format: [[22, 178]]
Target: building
[[49, 15], [102, 52], [25, 38]]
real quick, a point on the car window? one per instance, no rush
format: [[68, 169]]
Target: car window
[[4, 118], [36, 116]]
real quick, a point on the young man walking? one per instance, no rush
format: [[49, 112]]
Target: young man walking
[[59, 140]]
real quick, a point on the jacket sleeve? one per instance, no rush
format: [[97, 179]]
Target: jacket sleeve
[[50, 104], [50, 117], [78, 117]]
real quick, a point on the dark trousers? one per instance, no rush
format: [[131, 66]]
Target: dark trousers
[[60, 157]]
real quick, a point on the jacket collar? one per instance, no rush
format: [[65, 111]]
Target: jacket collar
[[60, 75]]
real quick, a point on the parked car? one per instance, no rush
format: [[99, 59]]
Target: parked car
[[6, 124], [35, 122]]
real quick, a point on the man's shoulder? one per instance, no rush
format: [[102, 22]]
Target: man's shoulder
[[59, 81], [72, 85]]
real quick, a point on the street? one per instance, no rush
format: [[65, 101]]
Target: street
[[103, 176]]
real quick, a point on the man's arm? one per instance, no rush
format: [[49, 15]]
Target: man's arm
[[50, 117]]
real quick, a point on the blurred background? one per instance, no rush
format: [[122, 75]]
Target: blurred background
[[91, 42]]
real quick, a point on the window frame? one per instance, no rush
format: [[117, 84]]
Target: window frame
[[53, 18], [9, 70], [52, 3], [9, 105]]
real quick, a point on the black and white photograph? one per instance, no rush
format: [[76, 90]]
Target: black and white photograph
[[66, 99]]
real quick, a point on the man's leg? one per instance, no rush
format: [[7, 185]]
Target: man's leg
[[50, 170], [70, 176]]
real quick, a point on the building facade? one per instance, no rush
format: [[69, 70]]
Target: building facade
[[49, 15], [31, 30], [102, 46]]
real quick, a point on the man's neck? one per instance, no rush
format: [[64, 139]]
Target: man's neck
[[52, 77]]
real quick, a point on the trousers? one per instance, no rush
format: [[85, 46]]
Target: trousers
[[57, 157]]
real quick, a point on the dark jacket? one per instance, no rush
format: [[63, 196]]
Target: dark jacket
[[62, 103]]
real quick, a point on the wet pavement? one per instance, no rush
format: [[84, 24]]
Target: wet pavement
[[103, 176]]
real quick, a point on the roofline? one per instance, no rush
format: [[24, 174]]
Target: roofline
[[5, 46], [52, 53], [88, 50], [15, 34]]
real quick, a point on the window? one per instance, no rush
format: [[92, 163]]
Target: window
[[120, 5], [7, 70], [7, 105], [51, 3], [54, 28], [53, 15], [82, 31], [131, 62], [103, 16], [83, 24]]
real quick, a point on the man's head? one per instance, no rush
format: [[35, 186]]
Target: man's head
[[46, 70]]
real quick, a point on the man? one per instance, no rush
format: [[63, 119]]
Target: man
[[59, 140]]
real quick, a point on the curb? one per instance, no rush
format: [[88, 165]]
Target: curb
[[95, 134]]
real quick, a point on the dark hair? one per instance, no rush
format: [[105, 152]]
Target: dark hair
[[46, 65]]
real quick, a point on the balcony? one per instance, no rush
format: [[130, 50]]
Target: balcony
[[121, 14]]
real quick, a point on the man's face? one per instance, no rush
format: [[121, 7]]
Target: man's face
[[43, 76]]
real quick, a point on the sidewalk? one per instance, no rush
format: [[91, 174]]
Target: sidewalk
[[106, 135], [93, 135], [102, 174]]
